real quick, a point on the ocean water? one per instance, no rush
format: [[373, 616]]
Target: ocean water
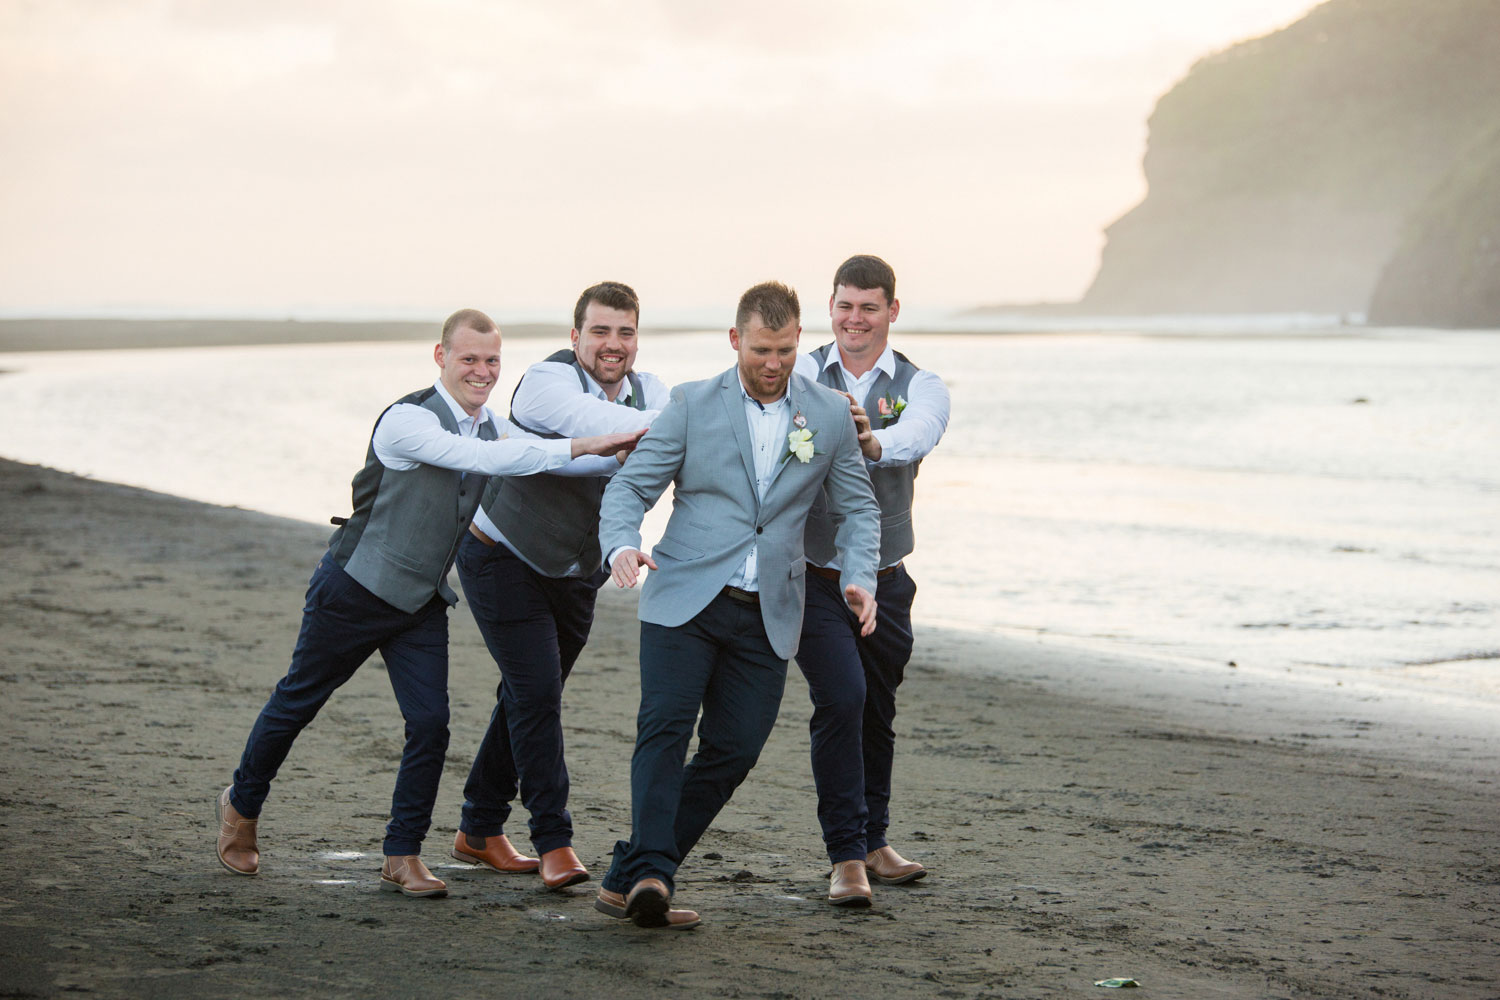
[[1276, 499]]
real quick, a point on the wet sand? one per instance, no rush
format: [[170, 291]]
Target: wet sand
[[1074, 833]]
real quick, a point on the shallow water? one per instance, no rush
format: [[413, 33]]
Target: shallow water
[[1271, 500]]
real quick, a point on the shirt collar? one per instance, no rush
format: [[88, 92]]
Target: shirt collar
[[886, 362], [458, 411], [597, 391]]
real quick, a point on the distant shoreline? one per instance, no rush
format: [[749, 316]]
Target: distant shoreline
[[94, 334], [28, 335], [62, 334], [109, 334]]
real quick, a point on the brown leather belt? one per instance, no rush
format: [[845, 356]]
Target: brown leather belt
[[743, 596], [833, 574], [486, 539]]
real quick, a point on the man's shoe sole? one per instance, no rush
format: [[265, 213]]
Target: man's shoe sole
[[854, 902], [469, 859], [648, 909], [394, 886], [898, 880]]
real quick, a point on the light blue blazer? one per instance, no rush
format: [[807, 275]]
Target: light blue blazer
[[701, 442]]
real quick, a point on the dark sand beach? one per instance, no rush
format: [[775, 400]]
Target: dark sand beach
[[1070, 839]]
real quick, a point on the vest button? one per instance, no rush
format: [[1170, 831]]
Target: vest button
[[759, 530]]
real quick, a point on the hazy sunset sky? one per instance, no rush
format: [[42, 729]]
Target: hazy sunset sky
[[407, 157]]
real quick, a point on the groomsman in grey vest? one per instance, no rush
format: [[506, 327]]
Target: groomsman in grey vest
[[852, 677], [530, 569], [749, 451], [382, 585]]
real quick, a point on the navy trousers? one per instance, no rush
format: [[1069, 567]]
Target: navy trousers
[[852, 681], [535, 626], [342, 625], [720, 661]]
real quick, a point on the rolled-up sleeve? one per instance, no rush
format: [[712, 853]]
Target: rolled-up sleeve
[[548, 398], [922, 422], [409, 435]]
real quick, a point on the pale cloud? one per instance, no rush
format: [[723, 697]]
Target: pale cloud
[[396, 154]]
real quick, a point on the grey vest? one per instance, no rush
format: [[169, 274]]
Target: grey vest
[[894, 485], [401, 539], [553, 521]]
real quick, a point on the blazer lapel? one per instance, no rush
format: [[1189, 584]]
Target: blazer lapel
[[734, 407], [796, 400]]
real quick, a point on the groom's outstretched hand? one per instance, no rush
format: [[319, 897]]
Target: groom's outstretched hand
[[626, 569], [862, 603]]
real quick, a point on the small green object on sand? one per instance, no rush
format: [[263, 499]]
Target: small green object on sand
[[1117, 984]]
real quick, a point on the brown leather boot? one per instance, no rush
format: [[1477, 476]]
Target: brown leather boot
[[561, 867], [494, 853], [891, 868], [406, 874], [237, 849], [847, 884]]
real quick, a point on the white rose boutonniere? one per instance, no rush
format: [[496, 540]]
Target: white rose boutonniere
[[799, 442]]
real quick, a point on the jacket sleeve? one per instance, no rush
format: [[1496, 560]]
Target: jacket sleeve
[[644, 478], [850, 494]]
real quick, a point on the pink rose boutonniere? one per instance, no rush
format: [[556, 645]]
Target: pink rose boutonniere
[[890, 409]]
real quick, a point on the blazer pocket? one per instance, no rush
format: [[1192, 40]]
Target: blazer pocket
[[798, 568], [396, 558], [673, 548]]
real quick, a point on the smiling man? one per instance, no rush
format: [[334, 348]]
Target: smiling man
[[722, 608], [530, 570], [852, 676], [382, 586]]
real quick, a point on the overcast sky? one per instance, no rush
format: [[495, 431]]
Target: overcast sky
[[368, 157]]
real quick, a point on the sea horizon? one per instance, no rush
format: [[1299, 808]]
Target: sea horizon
[[1310, 503], [952, 318]]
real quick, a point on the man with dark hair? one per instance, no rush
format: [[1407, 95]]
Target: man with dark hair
[[852, 677], [382, 585], [530, 568], [749, 451]]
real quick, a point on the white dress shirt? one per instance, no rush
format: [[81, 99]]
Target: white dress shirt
[[921, 424], [409, 435], [768, 442], [548, 399], [768, 425]]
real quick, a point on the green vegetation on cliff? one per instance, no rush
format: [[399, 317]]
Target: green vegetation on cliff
[[1283, 171], [1446, 269]]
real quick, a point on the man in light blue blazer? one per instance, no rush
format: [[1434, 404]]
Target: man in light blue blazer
[[721, 612]]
